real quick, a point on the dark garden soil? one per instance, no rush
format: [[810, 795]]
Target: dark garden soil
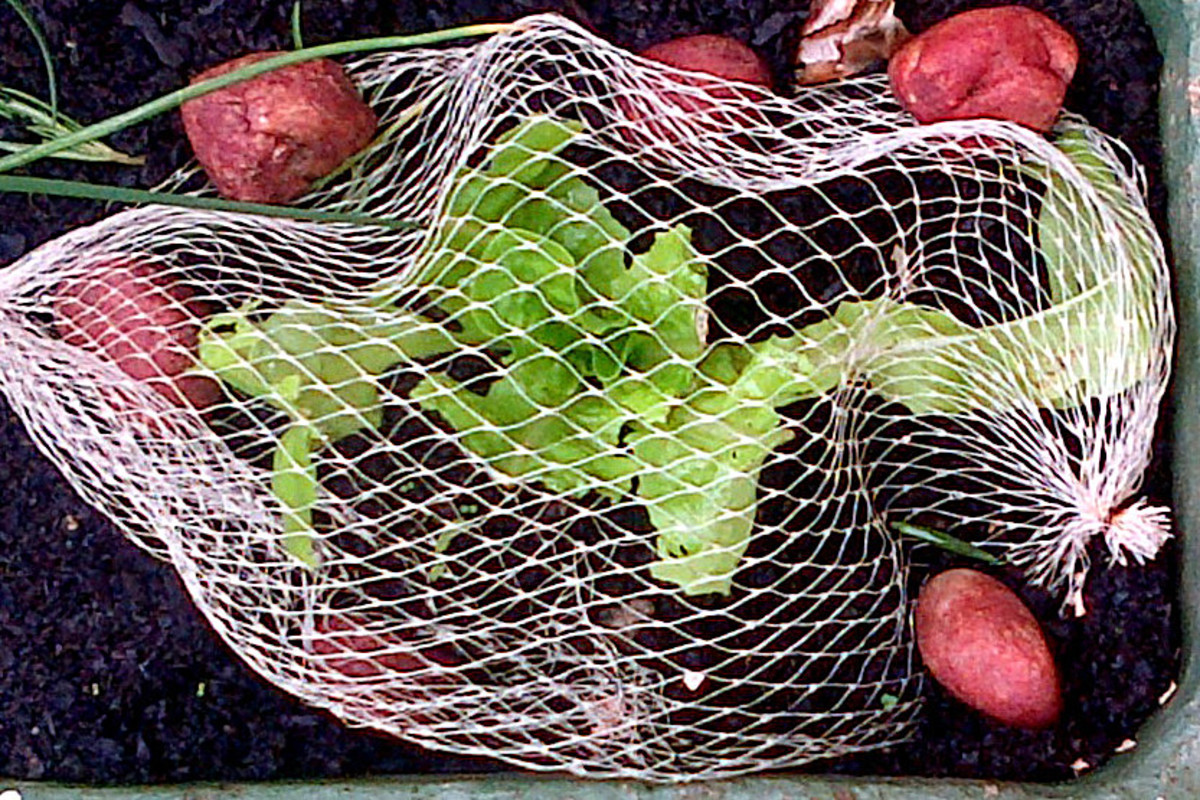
[[107, 672]]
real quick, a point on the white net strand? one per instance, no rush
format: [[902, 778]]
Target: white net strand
[[593, 469]]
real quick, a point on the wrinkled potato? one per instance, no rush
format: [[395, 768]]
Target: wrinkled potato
[[265, 140], [1007, 62], [982, 644], [122, 311]]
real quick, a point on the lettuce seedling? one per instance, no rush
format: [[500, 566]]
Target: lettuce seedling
[[609, 384]]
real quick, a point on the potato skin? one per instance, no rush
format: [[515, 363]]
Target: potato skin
[[698, 97], [984, 646], [125, 313], [1006, 62], [350, 649], [721, 56], [265, 140], [355, 653]]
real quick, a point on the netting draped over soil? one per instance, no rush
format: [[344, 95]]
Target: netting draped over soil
[[593, 468]]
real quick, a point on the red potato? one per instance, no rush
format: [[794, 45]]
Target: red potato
[[394, 681], [721, 56], [355, 652], [123, 311], [1007, 62], [265, 140], [984, 646]]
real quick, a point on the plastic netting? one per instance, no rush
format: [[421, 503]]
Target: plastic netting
[[594, 467]]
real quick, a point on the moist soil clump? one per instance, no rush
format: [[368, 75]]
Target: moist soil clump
[[108, 674]]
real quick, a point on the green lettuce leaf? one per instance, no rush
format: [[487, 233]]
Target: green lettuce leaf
[[320, 367]]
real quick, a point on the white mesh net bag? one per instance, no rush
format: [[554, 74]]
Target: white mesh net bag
[[593, 468]]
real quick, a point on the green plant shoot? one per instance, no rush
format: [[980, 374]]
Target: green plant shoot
[[1090, 343], [45, 123], [320, 366]]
